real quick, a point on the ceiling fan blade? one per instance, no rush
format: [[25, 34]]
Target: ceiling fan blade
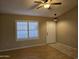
[[34, 6], [56, 3], [38, 2], [40, 6], [50, 0], [44, 1]]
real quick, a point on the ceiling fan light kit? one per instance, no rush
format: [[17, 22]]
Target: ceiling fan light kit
[[46, 5]]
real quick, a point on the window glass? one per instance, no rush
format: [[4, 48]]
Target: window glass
[[33, 25], [27, 30], [22, 34], [21, 25], [33, 34]]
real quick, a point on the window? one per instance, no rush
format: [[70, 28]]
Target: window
[[27, 30]]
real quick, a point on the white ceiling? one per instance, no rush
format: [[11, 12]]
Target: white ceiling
[[25, 7]]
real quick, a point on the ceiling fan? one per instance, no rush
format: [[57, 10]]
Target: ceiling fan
[[46, 4]]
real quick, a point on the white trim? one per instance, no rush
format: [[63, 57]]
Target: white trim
[[21, 47], [23, 39]]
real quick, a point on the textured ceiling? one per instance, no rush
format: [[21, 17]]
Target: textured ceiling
[[26, 7]]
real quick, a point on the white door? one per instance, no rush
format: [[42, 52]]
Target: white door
[[51, 32]]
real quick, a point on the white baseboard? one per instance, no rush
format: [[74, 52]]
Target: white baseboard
[[21, 47]]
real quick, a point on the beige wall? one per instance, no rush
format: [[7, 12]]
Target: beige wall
[[67, 28], [8, 31]]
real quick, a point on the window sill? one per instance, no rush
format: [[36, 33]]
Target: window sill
[[29, 39]]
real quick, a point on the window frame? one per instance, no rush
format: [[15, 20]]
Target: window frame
[[36, 38]]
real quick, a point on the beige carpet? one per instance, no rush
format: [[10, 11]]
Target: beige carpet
[[72, 52], [41, 52]]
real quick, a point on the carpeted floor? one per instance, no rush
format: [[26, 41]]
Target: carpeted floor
[[41, 52]]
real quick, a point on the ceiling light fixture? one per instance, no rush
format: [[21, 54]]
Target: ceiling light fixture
[[46, 5]]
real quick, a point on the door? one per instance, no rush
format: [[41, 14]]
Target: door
[[51, 32]]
